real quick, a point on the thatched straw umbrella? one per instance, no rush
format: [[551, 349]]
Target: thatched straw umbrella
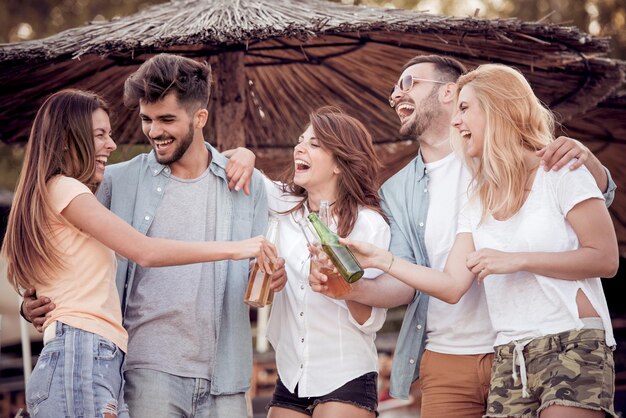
[[604, 129], [276, 60]]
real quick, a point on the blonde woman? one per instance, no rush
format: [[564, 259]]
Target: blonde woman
[[539, 241], [61, 241]]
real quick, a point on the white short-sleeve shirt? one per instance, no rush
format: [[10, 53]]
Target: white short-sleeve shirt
[[526, 305]]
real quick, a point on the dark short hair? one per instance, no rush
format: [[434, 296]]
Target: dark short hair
[[448, 68], [163, 74]]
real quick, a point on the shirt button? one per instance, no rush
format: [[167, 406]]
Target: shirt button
[[156, 171], [159, 189], [167, 169], [421, 224], [126, 286], [412, 361], [419, 326], [302, 366], [302, 286], [301, 313], [302, 340], [425, 190], [147, 218]]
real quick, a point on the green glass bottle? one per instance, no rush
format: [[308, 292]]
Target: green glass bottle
[[340, 255]]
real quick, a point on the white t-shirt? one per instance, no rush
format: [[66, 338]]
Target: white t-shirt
[[527, 305], [319, 346], [463, 328]]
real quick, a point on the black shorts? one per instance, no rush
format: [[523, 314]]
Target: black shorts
[[361, 392]]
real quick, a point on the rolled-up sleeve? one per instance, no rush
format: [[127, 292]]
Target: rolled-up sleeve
[[609, 194], [372, 228], [373, 324]]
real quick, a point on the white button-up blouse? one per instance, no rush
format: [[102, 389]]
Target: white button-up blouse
[[319, 345]]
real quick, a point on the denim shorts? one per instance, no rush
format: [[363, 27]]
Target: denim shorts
[[361, 392], [572, 368], [78, 374]]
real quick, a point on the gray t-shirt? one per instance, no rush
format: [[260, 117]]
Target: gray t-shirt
[[170, 317]]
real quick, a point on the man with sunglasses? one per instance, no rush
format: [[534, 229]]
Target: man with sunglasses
[[449, 347]]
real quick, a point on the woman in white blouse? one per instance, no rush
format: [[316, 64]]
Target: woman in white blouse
[[539, 241], [325, 352]]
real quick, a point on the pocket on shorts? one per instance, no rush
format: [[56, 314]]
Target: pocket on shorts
[[587, 352], [105, 350], [39, 384], [371, 385]]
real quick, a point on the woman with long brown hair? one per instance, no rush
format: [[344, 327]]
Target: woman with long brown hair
[[61, 241], [325, 352]]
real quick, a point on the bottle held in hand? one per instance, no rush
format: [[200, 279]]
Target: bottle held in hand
[[258, 292], [336, 285], [345, 263]]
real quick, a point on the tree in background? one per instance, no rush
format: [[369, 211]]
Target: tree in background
[[597, 17], [32, 19]]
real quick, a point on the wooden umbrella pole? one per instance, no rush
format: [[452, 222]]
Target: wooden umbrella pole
[[229, 101]]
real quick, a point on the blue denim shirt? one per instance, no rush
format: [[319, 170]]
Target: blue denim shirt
[[405, 201], [133, 190]]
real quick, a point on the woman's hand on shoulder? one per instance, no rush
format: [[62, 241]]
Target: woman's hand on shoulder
[[240, 168]]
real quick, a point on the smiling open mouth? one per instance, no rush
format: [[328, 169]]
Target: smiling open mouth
[[101, 161], [404, 110], [162, 143], [301, 165]]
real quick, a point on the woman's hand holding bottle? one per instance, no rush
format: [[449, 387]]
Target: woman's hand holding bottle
[[256, 247], [317, 279], [369, 255]]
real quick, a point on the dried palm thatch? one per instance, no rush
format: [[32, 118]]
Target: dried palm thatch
[[604, 130], [276, 60], [298, 55]]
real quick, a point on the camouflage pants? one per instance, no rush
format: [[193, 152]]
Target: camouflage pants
[[573, 368]]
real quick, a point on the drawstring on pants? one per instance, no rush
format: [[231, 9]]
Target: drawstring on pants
[[518, 359]]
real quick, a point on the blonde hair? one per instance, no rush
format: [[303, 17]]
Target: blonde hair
[[61, 142], [515, 122]]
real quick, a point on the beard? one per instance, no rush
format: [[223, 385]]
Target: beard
[[182, 146], [425, 112]]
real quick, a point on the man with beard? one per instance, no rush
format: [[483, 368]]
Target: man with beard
[[189, 349], [449, 347]]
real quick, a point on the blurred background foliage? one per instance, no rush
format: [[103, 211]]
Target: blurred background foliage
[[31, 19]]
